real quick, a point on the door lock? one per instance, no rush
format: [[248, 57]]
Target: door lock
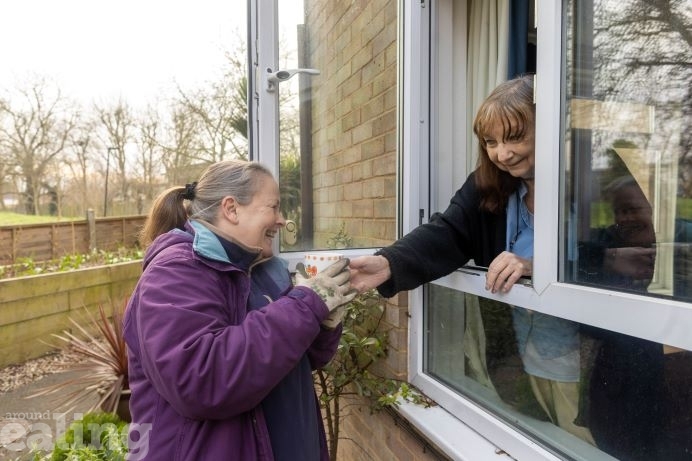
[[290, 233]]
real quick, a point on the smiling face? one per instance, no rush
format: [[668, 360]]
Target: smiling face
[[504, 125], [633, 216], [513, 153], [256, 224]]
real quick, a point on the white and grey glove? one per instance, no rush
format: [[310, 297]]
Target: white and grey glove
[[335, 317], [333, 286]]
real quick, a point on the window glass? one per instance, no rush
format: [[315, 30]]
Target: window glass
[[617, 395], [628, 146], [338, 123]]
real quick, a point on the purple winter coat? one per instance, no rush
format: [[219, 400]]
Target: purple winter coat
[[200, 364]]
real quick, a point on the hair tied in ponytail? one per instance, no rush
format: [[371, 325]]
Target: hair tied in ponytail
[[189, 193]]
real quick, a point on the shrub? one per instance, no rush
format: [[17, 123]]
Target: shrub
[[97, 436], [23, 267]]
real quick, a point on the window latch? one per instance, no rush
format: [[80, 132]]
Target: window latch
[[273, 78]]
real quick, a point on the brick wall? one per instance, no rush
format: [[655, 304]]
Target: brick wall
[[384, 435], [354, 44]]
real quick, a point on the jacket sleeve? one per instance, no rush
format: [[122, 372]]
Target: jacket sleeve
[[204, 356], [324, 347], [448, 241]]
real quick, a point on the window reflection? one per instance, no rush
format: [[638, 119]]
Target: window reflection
[[338, 127], [621, 254], [629, 127], [634, 396]]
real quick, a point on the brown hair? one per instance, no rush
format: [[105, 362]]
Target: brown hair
[[511, 104], [237, 178]]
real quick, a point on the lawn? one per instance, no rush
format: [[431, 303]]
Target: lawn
[[8, 218], [602, 215]]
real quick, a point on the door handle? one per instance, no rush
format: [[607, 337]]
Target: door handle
[[273, 78]]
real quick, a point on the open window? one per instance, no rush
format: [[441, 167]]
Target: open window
[[611, 148]]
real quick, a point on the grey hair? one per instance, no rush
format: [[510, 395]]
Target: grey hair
[[237, 178]]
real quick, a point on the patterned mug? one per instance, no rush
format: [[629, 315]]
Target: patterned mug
[[316, 262]]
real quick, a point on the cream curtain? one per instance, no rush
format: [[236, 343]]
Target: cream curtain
[[487, 58], [487, 67]]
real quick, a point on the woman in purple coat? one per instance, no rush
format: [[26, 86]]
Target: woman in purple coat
[[221, 345]]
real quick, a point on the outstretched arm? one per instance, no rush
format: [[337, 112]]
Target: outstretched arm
[[368, 272]]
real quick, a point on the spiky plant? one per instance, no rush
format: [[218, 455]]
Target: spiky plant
[[99, 363]]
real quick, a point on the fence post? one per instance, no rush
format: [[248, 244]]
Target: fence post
[[91, 225]]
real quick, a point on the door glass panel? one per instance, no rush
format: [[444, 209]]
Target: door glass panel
[[628, 147], [580, 391], [338, 128]]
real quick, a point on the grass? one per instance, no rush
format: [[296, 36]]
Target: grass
[[602, 214], [684, 208], [8, 218]]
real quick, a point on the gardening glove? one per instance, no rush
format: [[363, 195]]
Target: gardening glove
[[335, 317], [333, 286]]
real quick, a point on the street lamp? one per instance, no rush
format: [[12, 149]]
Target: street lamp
[[105, 189]]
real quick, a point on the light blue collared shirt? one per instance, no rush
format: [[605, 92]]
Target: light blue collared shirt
[[549, 346]]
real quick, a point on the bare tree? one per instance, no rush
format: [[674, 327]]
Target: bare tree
[[216, 113], [150, 157], [220, 112], [79, 160], [645, 56], [34, 131], [118, 124], [181, 143], [5, 167]]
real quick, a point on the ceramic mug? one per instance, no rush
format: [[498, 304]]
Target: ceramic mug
[[317, 262]]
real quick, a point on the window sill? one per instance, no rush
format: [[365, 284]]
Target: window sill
[[461, 442], [450, 435]]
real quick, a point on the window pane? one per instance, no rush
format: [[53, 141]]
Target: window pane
[[628, 146], [580, 391], [338, 127]]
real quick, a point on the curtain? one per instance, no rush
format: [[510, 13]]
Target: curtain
[[518, 60], [487, 58], [487, 67]]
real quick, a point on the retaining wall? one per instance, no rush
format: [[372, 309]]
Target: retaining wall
[[32, 308]]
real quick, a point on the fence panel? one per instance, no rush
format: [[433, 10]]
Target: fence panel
[[42, 242]]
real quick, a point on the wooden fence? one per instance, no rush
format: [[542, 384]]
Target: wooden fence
[[43, 242]]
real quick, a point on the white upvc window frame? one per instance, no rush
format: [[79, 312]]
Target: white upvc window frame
[[661, 320]]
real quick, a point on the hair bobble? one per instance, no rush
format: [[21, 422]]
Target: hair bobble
[[189, 193]]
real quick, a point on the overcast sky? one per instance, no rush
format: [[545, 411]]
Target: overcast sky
[[100, 50]]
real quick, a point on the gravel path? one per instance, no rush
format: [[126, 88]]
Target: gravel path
[[21, 417], [15, 376]]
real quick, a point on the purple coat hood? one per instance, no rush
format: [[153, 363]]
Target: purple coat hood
[[200, 363]]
